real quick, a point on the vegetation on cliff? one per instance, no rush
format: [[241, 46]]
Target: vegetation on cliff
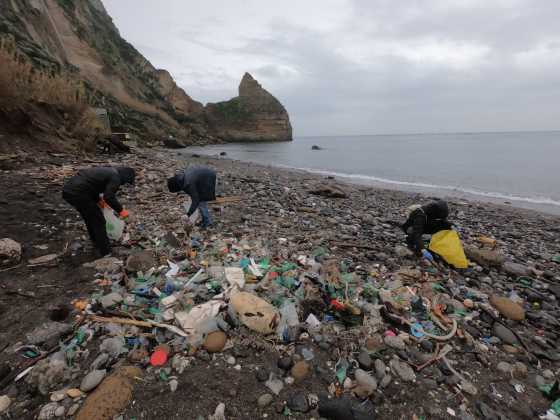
[[25, 89]]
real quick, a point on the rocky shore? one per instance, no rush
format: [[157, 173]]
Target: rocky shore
[[307, 304]]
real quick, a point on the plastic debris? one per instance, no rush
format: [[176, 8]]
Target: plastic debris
[[255, 313]]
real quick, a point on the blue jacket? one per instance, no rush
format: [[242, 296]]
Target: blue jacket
[[199, 182]]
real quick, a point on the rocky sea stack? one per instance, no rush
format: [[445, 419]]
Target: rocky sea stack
[[254, 115]]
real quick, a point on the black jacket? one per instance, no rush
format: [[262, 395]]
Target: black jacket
[[430, 218], [198, 181], [91, 182]]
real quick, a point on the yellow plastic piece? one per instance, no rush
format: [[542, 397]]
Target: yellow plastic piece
[[446, 244]]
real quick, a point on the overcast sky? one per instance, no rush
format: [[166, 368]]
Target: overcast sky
[[364, 66]]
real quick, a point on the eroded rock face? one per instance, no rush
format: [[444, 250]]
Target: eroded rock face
[[177, 97], [81, 36], [254, 115]]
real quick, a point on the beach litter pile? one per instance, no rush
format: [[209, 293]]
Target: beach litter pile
[[349, 337]]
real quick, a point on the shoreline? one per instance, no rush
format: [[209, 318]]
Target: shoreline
[[283, 217], [353, 181]]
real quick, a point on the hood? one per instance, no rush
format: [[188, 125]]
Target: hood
[[126, 174], [176, 183], [436, 209]]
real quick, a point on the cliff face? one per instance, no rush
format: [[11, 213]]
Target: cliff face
[[79, 38], [254, 115]]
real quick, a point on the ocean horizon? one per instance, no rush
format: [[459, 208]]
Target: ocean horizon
[[512, 167]]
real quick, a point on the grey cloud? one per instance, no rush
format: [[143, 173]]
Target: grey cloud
[[369, 74]]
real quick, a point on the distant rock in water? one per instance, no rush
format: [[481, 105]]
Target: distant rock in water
[[315, 147], [254, 115]]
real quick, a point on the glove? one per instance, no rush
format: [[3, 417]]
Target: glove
[[427, 255], [124, 214], [102, 203]]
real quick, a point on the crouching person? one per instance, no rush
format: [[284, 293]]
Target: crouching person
[[199, 182], [427, 219], [83, 191]]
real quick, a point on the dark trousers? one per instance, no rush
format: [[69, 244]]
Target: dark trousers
[[95, 222]]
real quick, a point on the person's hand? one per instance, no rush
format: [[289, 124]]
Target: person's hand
[[427, 255], [124, 214]]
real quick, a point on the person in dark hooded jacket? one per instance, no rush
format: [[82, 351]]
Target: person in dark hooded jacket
[[199, 182], [429, 218], [83, 191]]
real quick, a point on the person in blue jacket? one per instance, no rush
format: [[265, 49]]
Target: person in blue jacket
[[199, 182]]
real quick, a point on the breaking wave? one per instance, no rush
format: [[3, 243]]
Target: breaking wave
[[472, 191]]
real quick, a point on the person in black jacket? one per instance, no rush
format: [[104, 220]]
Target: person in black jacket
[[429, 218], [200, 183], [83, 191]]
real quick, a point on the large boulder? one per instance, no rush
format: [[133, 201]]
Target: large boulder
[[508, 308], [49, 332], [328, 190], [10, 252], [140, 261], [255, 313], [484, 257], [111, 397], [516, 270], [254, 115], [105, 265]]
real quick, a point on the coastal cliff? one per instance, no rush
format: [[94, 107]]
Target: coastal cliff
[[78, 39], [254, 115]]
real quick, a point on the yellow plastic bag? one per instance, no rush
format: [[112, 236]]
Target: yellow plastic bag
[[447, 245]]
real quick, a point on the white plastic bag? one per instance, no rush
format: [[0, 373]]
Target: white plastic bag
[[193, 217], [113, 224]]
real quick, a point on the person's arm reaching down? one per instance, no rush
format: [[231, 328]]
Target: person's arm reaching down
[[417, 232], [110, 193], [195, 201]]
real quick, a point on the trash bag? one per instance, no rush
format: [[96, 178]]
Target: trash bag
[[446, 244], [113, 224]]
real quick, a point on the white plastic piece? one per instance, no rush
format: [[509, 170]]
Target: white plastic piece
[[113, 224], [235, 277]]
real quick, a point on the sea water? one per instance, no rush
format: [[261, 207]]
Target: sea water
[[521, 168]]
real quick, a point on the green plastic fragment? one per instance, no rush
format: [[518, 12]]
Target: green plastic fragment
[[80, 336], [163, 375], [525, 281], [341, 374], [555, 407], [288, 266], [546, 388], [264, 264], [319, 252], [461, 312], [154, 310], [551, 391], [556, 259], [214, 286], [348, 278], [438, 287], [370, 293]]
